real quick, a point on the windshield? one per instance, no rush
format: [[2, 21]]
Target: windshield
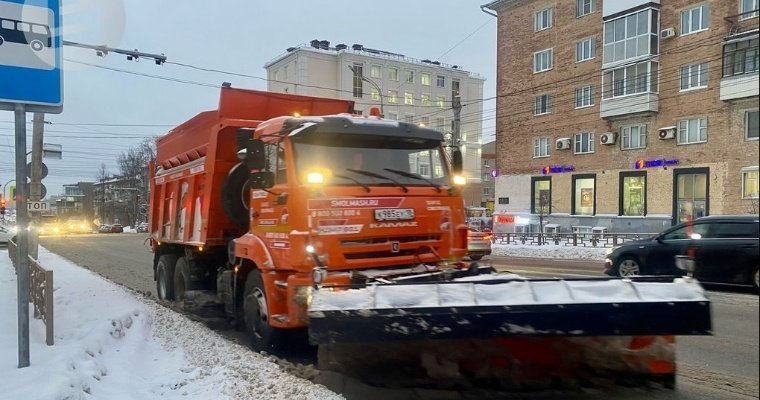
[[373, 161]]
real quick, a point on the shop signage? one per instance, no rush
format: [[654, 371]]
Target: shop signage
[[639, 164], [554, 169]]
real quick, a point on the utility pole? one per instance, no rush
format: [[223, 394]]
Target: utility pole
[[38, 122], [456, 104]]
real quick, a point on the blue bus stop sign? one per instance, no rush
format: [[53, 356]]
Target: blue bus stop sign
[[30, 55]]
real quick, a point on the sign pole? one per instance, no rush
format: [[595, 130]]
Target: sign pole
[[22, 257]]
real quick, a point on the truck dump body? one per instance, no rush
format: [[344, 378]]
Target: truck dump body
[[194, 159]]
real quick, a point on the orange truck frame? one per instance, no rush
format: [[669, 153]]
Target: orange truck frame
[[251, 201]]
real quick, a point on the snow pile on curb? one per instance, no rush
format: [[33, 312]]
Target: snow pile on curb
[[111, 345], [550, 251]]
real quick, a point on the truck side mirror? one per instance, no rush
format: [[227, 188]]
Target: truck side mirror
[[456, 161], [261, 180], [255, 156]]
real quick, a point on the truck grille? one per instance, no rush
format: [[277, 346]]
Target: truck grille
[[385, 252], [380, 240]]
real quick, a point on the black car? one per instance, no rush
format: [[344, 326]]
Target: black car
[[724, 249]]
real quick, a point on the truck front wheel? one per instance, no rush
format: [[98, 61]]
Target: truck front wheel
[[165, 277], [256, 315]]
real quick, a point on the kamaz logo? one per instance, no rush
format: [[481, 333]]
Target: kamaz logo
[[395, 247]]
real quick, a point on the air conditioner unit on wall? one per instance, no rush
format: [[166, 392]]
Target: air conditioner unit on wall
[[563, 144], [668, 132], [608, 138], [667, 33]]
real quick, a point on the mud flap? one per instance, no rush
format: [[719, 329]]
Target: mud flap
[[513, 332]]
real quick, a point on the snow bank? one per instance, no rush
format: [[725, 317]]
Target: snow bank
[[111, 345], [549, 251]]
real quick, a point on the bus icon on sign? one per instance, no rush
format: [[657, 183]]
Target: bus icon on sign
[[26, 36], [37, 36]]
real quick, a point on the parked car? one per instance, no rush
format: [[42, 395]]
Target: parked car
[[104, 228], [724, 249], [142, 227], [117, 228], [6, 233], [478, 244]]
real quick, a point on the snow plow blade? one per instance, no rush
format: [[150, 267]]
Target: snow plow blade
[[513, 331]]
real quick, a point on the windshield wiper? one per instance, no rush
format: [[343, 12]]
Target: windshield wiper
[[414, 176], [354, 180], [376, 175]]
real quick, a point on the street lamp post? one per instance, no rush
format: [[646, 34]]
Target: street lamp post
[[375, 85]]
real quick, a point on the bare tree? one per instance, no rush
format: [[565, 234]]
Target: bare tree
[[133, 167], [102, 176]]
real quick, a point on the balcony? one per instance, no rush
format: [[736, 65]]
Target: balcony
[[739, 86], [631, 104]]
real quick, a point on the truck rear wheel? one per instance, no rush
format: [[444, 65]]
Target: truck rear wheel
[[256, 315], [165, 277], [182, 279]]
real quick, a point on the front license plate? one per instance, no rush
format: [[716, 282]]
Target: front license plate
[[394, 214]]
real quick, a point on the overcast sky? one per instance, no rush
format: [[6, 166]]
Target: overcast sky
[[231, 35]]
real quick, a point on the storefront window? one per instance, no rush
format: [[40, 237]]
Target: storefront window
[[633, 193], [691, 195], [541, 199], [584, 198]]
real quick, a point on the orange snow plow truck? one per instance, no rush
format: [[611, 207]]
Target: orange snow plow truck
[[307, 221]]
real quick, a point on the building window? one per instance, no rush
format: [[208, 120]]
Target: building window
[[584, 198], [358, 83], [409, 118], [425, 100], [440, 81], [633, 79], [392, 116], [750, 183], [375, 94], [631, 36], [741, 57], [543, 19], [425, 79], [694, 76], [393, 74], [425, 121], [409, 76], [695, 19], [691, 194], [633, 194], [375, 71], [748, 9], [543, 104], [440, 124], [423, 169], [692, 131], [584, 96], [541, 147], [752, 125], [584, 7], [585, 50], [393, 96], [440, 101], [454, 88], [633, 137], [541, 195], [486, 191], [542, 60], [409, 98], [584, 143]]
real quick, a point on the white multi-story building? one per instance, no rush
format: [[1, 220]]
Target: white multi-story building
[[406, 89]]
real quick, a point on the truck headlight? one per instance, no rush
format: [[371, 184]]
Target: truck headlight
[[315, 177], [459, 180]]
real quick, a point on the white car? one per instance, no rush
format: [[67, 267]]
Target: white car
[[6, 233]]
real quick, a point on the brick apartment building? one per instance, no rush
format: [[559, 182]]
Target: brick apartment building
[[630, 115], [408, 90]]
